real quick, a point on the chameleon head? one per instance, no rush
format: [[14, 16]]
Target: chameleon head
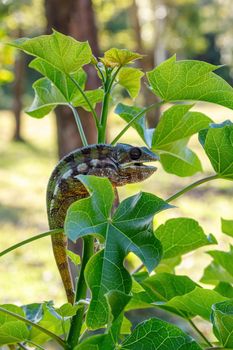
[[130, 160]]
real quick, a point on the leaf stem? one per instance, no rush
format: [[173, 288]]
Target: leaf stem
[[41, 329], [31, 239], [199, 332], [191, 186], [101, 73], [79, 125], [87, 100], [105, 106], [81, 291], [138, 116], [22, 346]]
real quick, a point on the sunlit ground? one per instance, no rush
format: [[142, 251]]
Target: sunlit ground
[[29, 274]]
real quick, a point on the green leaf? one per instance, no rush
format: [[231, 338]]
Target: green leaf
[[165, 286], [214, 273], [128, 230], [47, 97], [127, 113], [157, 334], [227, 227], [66, 310], [75, 258], [130, 79], [222, 319], [168, 265], [117, 302], [119, 57], [224, 259], [218, 145], [177, 123], [61, 51], [197, 302], [51, 322], [61, 80], [126, 326], [190, 80], [178, 159], [171, 136], [225, 289], [33, 312], [180, 236], [11, 330]]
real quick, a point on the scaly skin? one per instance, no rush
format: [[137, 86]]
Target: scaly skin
[[122, 164]]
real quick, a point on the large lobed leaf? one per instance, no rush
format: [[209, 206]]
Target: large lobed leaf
[[59, 58], [222, 318], [58, 88], [217, 142], [180, 236], [155, 334], [12, 331], [61, 51], [190, 80], [128, 230]]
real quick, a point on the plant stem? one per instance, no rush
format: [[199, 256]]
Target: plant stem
[[79, 125], [199, 332], [41, 329], [81, 290], [87, 100], [105, 106], [22, 346], [190, 187], [26, 241], [138, 116]]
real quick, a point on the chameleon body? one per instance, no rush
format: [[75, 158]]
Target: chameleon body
[[121, 164]]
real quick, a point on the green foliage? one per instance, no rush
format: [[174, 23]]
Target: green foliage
[[11, 329], [190, 80], [222, 318], [181, 235], [156, 334], [113, 288], [218, 145], [118, 231]]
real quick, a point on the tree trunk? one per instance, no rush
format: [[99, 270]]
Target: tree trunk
[[75, 18], [147, 63], [18, 89]]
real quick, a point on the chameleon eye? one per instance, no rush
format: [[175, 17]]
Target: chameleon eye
[[135, 153]]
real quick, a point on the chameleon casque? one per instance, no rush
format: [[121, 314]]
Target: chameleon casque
[[121, 164]]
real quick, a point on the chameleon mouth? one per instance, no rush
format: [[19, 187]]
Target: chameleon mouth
[[139, 165]]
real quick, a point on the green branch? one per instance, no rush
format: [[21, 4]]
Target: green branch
[[87, 100], [199, 332], [105, 106], [81, 290], [137, 116], [190, 187], [41, 329], [79, 125], [26, 241]]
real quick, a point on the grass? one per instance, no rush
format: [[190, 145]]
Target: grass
[[29, 274]]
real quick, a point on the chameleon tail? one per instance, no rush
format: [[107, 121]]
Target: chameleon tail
[[59, 243]]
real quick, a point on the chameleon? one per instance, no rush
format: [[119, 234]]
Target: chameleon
[[122, 164]]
